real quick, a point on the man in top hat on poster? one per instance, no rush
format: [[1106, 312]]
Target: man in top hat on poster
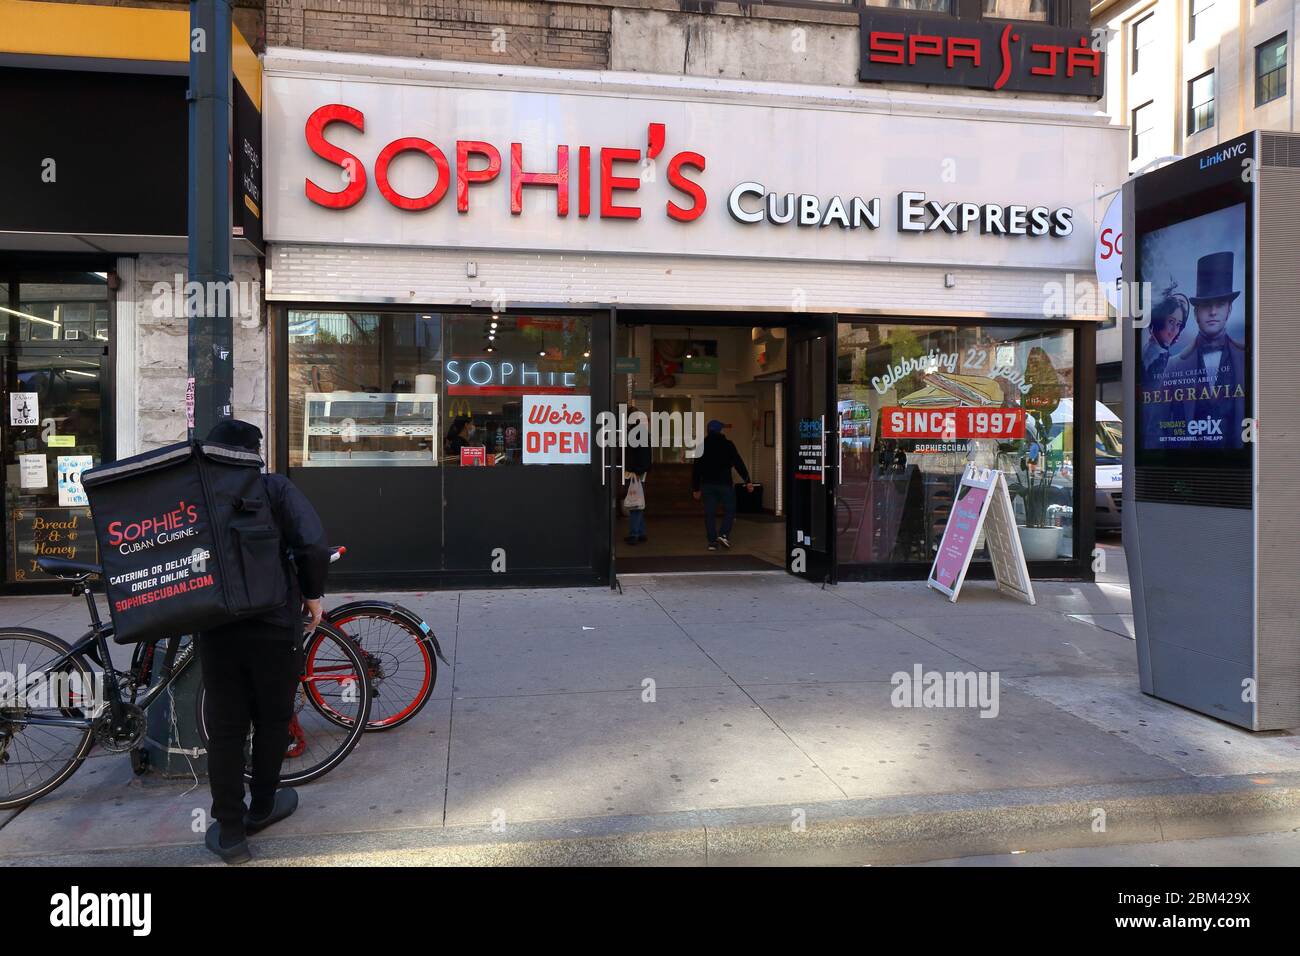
[[1211, 372]]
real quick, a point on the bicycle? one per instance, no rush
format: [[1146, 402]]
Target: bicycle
[[50, 698], [401, 653]]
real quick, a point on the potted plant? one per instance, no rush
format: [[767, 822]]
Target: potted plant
[[1036, 468]]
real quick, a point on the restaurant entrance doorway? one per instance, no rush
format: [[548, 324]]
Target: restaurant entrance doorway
[[676, 374]]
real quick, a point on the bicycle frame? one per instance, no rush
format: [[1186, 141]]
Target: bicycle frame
[[96, 639]]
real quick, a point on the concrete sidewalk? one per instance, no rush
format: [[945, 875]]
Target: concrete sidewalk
[[771, 699]]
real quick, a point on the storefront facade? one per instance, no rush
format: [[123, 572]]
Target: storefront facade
[[451, 244], [93, 259]]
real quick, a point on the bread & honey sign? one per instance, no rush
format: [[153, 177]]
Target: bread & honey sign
[[50, 533]]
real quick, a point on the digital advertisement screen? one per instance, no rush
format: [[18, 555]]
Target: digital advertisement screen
[[1194, 362], [1193, 335]]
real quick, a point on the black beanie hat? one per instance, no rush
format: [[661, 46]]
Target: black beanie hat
[[232, 431]]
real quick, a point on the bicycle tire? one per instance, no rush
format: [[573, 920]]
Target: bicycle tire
[[376, 642], [354, 728], [11, 801]]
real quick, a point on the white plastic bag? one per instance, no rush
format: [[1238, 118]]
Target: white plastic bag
[[635, 498]]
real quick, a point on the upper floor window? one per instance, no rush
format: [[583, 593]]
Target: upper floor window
[[926, 6], [1144, 35], [1040, 10], [1270, 70], [1201, 16], [1200, 103], [1144, 124]]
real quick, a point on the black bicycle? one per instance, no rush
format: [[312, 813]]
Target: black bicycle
[[54, 706]]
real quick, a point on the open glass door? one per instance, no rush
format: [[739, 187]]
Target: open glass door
[[812, 455]]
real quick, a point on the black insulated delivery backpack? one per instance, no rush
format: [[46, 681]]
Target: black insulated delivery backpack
[[186, 538]]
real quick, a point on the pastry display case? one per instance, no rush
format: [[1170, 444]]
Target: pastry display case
[[370, 428]]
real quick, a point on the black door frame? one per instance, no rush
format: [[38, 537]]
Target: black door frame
[[795, 324], [820, 566]]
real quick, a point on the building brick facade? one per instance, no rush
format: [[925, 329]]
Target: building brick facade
[[560, 35]]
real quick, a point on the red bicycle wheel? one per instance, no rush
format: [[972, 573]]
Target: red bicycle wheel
[[400, 661]]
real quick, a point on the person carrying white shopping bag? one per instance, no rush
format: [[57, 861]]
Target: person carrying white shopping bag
[[638, 466]]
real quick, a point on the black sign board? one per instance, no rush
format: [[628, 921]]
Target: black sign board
[[979, 54], [35, 533], [93, 152], [246, 147]]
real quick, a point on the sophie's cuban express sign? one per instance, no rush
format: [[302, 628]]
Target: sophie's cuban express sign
[[980, 54], [604, 182]]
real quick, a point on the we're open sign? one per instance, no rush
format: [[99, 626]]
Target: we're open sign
[[557, 429]]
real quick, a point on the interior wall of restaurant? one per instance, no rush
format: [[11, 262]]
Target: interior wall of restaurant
[[737, 398]]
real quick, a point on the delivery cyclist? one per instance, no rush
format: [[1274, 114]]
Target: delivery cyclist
[[251, 670]]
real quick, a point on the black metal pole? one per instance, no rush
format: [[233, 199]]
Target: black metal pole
[[209, 295], [173, 746]]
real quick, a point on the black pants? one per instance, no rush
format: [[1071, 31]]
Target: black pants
[[251, 675]]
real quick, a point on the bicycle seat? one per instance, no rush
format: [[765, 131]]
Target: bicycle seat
[[68, 570]]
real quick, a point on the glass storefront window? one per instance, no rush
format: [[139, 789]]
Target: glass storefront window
[[917, 402], [498, 364], [363, 388], [373, 388], [470, 397], [62, 307]]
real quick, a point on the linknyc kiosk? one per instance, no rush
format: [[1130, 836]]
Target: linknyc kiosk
[[1211, 505]]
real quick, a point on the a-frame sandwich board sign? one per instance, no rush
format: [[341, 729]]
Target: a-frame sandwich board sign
[[983, 504]]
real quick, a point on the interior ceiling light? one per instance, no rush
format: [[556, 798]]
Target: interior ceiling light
[[29, 316]]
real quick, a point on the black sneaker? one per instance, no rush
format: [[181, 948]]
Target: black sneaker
[[640, 539], [631, 539], [286, 801], [722, 540], [713, 546], [233, 854]]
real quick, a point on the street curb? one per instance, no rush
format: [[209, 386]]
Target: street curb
[[886, 830]]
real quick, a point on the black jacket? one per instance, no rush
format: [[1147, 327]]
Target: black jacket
[[638, 461], [306, 552], [714, 465]]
